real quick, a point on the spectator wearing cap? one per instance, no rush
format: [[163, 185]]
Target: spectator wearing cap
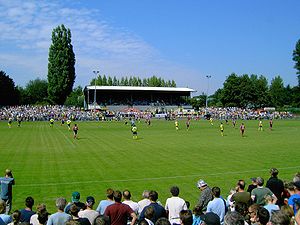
[[210, 218], [174, 206], [159, 211], [276, 186], [27, 212], [118, 212], [6, 183], [217, 205], [127, 200], [295, 194], [206, 194], [76, 200], [258, 194], [89, 213], [241, 195], [60, 217], [108, 201], [252, 185]]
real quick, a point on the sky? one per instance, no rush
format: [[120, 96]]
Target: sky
[[174, 39]]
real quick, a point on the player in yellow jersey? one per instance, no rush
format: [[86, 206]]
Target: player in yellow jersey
[[211, 121], [51, 122], [222, 129], [9, 122], [260, 125], [134, 131], [69, 124], [176, 125]]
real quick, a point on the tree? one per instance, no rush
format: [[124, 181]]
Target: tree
[[36, 91], [76, 98], [61, 65], [277, 92], [9, 94], [296, 58], [260, 91], [231, 91]]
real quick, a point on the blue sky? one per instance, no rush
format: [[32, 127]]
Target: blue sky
[[180, 40]]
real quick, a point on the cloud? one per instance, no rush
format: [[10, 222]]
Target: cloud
[[26, 28]]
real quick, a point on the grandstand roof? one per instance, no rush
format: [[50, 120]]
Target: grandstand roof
[[134, 88]]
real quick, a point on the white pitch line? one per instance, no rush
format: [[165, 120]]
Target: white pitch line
[[153, 178]]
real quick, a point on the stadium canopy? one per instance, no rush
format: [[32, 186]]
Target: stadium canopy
[[132, 95]]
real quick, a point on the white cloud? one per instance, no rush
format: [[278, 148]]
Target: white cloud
[[26, 28]]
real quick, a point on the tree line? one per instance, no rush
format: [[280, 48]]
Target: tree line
[[132, 81], [251, 92]]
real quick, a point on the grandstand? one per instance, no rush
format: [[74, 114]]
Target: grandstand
[[116, 98]]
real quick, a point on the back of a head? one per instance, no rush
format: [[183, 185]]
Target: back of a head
[[279, 218], [186, 217], [43, 217], [145, 194], [274, 172], [16, 216], [162, 221], [260, 181], [29, 202], [153, 196], [198, 210], [263, 215], [234, 218], [241, 207], [174, 191], [216, 191], [74, 209], [102, 220], [61, 203], [296, 177], [241, 184], [2, 206], [8, 172], [126, 194], [117, 196], [41, 208], [110, 193]]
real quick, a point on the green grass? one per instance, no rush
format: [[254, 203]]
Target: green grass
[[48, 163]]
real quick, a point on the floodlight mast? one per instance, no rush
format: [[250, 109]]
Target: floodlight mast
[[96, 72], [206, 100]]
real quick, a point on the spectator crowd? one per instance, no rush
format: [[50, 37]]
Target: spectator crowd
[[45, 113], [270, 203]]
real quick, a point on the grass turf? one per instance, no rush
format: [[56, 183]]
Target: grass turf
[[48, 163]]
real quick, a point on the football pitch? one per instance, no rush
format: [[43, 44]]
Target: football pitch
[[48, 163]]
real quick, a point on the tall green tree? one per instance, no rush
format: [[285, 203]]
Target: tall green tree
[[277, 92], [9, 94], [296, 58], [61, 65]]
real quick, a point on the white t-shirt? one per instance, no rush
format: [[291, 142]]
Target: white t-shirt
[[174, 205], [133, 205], [88, 213]]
